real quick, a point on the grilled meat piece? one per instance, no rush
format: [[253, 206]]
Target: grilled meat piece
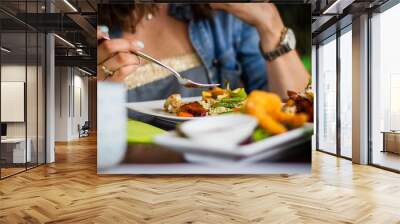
[[194, 108], [303, 104]]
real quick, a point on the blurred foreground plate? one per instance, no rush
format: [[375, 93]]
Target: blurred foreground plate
[[249, 153]]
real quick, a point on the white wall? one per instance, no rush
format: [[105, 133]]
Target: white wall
[[80, 109], [71, 94], [14, 73], [62, 81]]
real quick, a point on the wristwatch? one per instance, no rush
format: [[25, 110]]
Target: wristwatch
[[286, 44]]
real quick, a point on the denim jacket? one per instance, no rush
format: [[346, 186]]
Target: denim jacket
[[228, 48]]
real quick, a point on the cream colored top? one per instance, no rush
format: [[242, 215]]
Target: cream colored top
[[150, 72]]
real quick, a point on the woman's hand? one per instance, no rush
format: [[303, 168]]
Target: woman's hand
[[114, 60], [264, 16]]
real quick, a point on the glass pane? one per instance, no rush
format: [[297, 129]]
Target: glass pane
[[41, 99], [32, 98], [386, 89], [32, 86], [13, 86], [327, 97], [346, 94], [23, 57]]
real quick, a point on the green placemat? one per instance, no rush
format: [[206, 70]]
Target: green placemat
[[139, 132]]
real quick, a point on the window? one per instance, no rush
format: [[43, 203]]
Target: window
[[346, 93], [22, 77], [385, 89], [327, 96]]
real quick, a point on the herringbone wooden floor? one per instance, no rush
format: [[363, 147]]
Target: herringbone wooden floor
[[70, 191]]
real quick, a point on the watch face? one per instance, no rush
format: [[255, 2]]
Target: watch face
[[290, 39]]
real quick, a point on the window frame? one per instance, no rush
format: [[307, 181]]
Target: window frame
[[378, 10], [346, 27], [29, 29]]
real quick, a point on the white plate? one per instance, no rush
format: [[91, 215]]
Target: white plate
[[217, 129], [210, 151], [156, 108]]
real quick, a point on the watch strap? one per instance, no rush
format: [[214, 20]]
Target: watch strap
[[280, 50], [272, 55]]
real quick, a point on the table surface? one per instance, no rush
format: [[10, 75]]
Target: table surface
[[13, 140], [190, 168], [391, 132], [153, 159]]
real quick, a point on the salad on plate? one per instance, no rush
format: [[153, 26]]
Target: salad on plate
[[213, 102], [272, 114]]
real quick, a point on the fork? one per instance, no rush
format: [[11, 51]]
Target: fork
[[182, 81]]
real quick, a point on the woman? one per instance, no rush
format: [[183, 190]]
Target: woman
[[243, 43]]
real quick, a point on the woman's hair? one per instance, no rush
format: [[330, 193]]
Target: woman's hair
[[129, 15]]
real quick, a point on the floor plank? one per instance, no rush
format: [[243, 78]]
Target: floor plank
[[386, 159], [70, 191]]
